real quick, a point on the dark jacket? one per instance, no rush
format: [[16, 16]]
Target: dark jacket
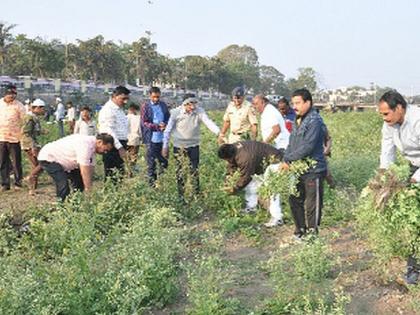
[[146, 123], [252, 157], [307, 141]]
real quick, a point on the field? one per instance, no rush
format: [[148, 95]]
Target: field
[[137, 250]]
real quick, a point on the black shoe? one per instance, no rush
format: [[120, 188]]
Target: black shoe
[[412, 275], [5, 188]]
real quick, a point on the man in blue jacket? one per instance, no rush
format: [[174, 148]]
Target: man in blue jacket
[[306, 142], [154, 118]]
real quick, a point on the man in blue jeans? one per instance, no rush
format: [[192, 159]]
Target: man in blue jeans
[[154, 118]]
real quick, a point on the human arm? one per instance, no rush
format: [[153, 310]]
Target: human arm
[[209, 123], [145, 120], [274, 133], [388, 148], [77, 127], [167, 136], [86, 171]]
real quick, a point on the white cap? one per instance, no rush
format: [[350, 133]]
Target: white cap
[[58, 99], [27, 101], [38, 102]]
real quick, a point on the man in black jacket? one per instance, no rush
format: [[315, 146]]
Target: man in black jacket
[[306, 142], [251, 158]]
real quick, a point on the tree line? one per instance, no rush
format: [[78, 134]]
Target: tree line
[[139, 62]]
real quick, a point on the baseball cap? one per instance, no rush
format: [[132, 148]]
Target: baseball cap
[[238, 91]]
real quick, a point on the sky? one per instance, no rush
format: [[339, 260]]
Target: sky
[[348, 42]]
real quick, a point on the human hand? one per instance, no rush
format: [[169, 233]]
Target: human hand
[[165, 152], [122, 152], [284, 166]]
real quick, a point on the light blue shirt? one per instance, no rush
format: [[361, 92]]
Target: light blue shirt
[[158, 117]]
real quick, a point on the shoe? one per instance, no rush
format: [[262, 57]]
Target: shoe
[[273, 222], [412, 275], [298, 238], [4, 188], [249, 210]]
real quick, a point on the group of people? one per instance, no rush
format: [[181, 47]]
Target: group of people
[[282, 136]]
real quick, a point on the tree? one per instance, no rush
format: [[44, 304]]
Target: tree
[[238, 54], [6, 39], [272, 81], [306, 79]]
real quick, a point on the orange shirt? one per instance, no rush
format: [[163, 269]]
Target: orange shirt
[[11, 121]]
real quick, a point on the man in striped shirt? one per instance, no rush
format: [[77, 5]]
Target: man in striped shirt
[[112, 120], [12, 114]]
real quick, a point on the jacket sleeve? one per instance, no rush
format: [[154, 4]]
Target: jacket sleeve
[[146, 120], [310, 141], [246, 170]]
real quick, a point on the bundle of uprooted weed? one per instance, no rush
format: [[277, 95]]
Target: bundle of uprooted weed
[[386, 184], [388, 213]]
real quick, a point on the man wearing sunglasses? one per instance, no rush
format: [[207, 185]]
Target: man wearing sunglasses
[[240, 118]]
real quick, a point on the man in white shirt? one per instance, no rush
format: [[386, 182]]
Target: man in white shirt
[[274, 132], [184, 126], [401, 130], [60, 114], [71, 116], [134, 135], [85, 125], [112, 120], [73, 158]]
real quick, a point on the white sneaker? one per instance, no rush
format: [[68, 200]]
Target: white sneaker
[[249, 210], [273, 222]]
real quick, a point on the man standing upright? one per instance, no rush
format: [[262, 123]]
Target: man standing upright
[[401, 130], [60, 113], [12, 114], [307, 141], [113, 121], [184, 126], [154, 118], [273, 127], [240, 118]]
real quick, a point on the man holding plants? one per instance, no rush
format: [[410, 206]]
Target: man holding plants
[[253, 158], [306, 142], [401, 130]]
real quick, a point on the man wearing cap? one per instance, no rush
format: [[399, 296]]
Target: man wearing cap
[[112, 120], [72, 158], [30, 132], [60, 113], [240, 118], [154, 118], [12, 114], [184, 126]]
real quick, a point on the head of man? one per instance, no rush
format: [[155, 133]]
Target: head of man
[[10, 94], [283, 106], [238, 95], [227, 152], [392, 106], [69, 104], [38, 107], [85, 113], [154, 94], [58, 100], [189, 102], [259, 101], [104, 143], [133, 109], [302, 101], [120, 95]]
